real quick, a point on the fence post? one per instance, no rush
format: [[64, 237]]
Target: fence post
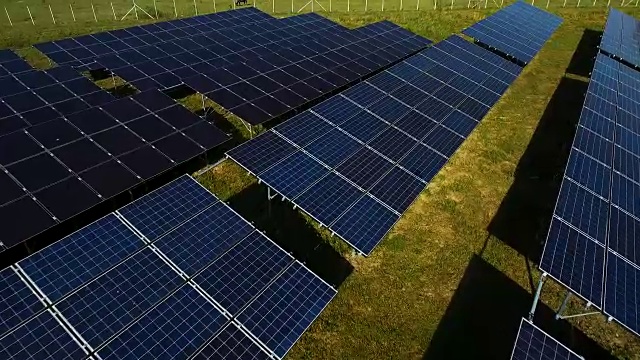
[[292, 7], [451, 5], [329, 5], [273, 6], [382, 5], [435, 4], [175, 9], [485, 3], [52, 17], [94, 13], [113, 10], [155, 7], [33, 22], [400, 4], [195, 6], [366, 5], [72, 13], [8, 17], [548, 3], [418, 5], [578, 4], [348, 5], [214, 6]]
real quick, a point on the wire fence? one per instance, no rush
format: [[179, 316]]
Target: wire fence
[[61, 12]]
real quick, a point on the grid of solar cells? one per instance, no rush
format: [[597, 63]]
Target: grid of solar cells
[[386, 138], [286, 308], [156, 67], [82, 51], [591, 246], [518, 30], [534, 344], [57, 169], [122, 295], [11, 63], [42, 337], [620, 37], [232, 344], [35, 97], [266, 87]]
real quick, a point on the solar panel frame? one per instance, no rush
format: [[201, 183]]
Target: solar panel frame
[[539, 345]]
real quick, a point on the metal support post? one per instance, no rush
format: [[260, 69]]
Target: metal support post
[[93, 9], [536, 298], [9, 17], [33, 22], [52, 17], [195, 6], [155, 7], [113, 10], [563, 306]]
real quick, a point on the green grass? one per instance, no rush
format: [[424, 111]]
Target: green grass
[[450, 281]]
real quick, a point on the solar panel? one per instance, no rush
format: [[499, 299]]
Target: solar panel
[[87, 157], [82, 51], [177, 261], [504, 30], [11, 63], [357, 161], [619, 38], [534, 344], [284, 310], [591, 245]]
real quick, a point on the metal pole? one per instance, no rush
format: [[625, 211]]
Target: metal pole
[[52, 18], [485, 3], [501, 3], [72, 13], [329, 5], [418, 5], [609, 3], [312, 1], [435, 4], [564, 3], [451, 4], [382, 5], [548, 3], [348, 5], [33, 22], [563, 306], [94, 13], [195, 6], [400, 4], [366, 5], [8, 17], [273, 6], [214, 6], [175, 9], [537, 296], [113, 10], [578, 5], [135, 9], [155, 7], [292, 7]]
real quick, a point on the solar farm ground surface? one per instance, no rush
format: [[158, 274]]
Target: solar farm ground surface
[[454, 277]]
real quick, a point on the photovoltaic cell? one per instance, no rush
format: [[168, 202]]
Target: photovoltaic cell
[[71, 262], [282, 313], [17, 301], [230, 344], [534, 344]]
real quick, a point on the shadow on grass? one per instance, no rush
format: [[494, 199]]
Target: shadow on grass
[[289, 229], [484, 314], [523, 217], [585, 55]]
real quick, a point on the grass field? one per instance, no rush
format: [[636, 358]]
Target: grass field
[[454, 277]]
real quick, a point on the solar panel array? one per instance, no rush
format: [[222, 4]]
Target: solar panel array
[[175, 274], [312, 65], [34, 97], [592, 244], [518, 30], [54, 170], [620, 38], [11, 63], [168, 64], [82, 51], [534, 344], [358, 160]]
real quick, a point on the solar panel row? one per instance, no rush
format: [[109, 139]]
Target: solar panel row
[[35, 97], [591, 246], [59, 168], [176, 273], [167, 64], [620, 37], [518, 30], [357, 161], [11, 63], [266, 87], [534, 344], [82, 51]]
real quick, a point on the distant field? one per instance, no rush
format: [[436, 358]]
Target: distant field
[[453, 278]]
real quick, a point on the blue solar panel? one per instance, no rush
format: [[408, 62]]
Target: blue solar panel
[[243, 272], [204, 237], [17, 301], [504, 30], [294, 175], [167, 207], [232, 344], [80, 257], [40, 338], [381, 137], [174, 329], [591, 247], [534, 344], [286, 308], [619, 38], [328, 198]]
